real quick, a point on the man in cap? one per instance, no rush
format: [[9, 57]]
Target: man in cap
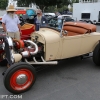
[[11, 23], [40, 20]]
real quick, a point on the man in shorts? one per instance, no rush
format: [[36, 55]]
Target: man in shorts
[[11, 23]]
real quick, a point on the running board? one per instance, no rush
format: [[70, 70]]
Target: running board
[[35, 62]]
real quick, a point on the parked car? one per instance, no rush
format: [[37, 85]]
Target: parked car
[[65, 16], [46, 47], [49, 14]]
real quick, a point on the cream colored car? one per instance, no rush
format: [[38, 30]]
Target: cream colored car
[[75, 39], [46, 47]]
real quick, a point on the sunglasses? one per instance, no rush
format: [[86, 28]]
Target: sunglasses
[[38, 13]]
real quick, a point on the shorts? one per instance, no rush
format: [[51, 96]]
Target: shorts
[[14, 35]]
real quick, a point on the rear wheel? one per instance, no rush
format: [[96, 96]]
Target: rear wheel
[[89, 22], [96, 55], [19, 78]]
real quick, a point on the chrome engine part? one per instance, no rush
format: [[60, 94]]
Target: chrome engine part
[[32, 49]]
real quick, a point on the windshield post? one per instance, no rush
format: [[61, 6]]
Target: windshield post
[[62, 27]]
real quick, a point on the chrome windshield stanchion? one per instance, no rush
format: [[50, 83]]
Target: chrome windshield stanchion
[[62, 24]]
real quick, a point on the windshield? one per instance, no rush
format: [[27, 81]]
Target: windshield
[[55, 23]]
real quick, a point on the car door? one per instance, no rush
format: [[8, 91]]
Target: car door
[[89, 41], [71, 46]]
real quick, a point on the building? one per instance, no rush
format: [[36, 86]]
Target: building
[[88, 10]]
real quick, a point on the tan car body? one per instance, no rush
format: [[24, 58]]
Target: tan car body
[[47, 46], [56, 47]]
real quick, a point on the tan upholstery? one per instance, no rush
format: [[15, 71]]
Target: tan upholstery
[[79, 27], [75, 29]]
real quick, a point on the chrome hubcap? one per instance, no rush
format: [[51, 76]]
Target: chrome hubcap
[[21, 79]]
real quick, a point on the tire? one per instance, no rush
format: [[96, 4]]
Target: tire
[[19, 78], [89, 22], [94, 23], [96, 55]]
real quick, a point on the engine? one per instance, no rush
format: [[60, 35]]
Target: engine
[[28, 48], [15, 50]]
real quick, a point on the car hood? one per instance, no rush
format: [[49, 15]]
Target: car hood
[[47, 35]]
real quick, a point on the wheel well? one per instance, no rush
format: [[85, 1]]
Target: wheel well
[[96, 44]]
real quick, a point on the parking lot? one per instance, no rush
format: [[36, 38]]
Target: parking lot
[[71, 79]]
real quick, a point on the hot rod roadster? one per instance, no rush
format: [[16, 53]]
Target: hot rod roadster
[[45, 47]]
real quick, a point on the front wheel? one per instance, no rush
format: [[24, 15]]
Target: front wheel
[[96, 55], [19, 78]]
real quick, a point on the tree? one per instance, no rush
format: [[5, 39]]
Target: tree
[[43, 3], [3, 4]]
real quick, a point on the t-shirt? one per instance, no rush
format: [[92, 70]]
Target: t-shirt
[[11, 23]]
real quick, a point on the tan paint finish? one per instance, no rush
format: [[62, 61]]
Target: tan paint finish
[[71, 46], [89, 41], [40, 39], [51, 41], [17, 57], [56, 47]]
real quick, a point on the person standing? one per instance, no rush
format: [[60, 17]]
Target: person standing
[[11, 23], [40, 20]]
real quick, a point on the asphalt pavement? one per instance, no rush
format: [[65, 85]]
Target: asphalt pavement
[[71, 79]]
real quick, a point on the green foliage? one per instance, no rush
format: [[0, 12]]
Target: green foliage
[[75, 1], [71, 9], [48, 5], [54, 9], [43, 3], [23, 3], [3, 4], [61, 9]]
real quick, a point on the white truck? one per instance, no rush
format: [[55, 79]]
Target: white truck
[[87, 10]]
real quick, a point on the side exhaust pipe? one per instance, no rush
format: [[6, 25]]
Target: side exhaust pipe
[[35, 62]]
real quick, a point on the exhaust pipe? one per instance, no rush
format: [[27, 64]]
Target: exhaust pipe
[[42, 63], [27, 53]]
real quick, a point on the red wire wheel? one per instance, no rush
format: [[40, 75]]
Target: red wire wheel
[[19, 78]]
